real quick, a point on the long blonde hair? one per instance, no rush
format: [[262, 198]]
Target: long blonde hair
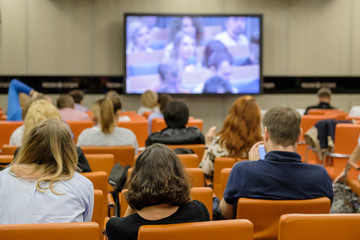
[[47, 155], [38, 111], [108, 109]]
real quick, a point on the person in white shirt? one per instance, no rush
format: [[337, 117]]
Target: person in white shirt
[[233, 35], [41, 185], [149, 102]]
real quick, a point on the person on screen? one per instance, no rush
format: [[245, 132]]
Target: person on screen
[[138, 38], [184, 51], [233, 34], [211, 47], [170, 77], [220, 63]]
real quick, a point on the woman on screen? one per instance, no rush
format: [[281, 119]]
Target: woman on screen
[[138, 38], [184, 52]]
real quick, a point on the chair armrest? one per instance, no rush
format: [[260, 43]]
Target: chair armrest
[[111, 205], [338, 155], [354, 165]]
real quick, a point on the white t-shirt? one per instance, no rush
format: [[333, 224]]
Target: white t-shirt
[[17, 136], [22, 203], [228, 41]]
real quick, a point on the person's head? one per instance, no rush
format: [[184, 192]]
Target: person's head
[[37, 112], [184, 46], [281, 127], [33, 99], [211, 47], [112, 94], [190, 25], [217, 84], [47, 155], [95, 110], [324, 94], [65, 101], [242, 127], [158, 178], [108, 109], [77, 95], [149, 99], [164, 100], [220, 62], [139, 35], [235, 25], [176, 114], [170, 72]]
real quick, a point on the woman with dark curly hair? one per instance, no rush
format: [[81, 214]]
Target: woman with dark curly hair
[[158, 193]]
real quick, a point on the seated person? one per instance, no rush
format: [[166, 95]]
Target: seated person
[[41, 185], [281, 175], [78, 96], [220, 63], [149, 102], [170, 77], [176, 116], [164, 99], [158, 193], [241, 130], [234, 32], [106, 132], [324, 95], [66, 104]]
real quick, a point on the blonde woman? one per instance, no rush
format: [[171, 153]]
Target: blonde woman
[[42, 185], [149, 102], [106, 132]]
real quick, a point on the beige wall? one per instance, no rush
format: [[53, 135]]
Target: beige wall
[[85, 37]]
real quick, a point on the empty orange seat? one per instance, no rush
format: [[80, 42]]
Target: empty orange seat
[[219, 164], [78, 126], [123, 154], [139, 128], [189, 160], [6, 129]]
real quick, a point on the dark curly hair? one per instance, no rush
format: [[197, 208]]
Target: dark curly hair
[[158, 177]]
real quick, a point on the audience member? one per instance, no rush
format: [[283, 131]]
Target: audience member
[[106, 132], [184, 52], [241, 130], [164, 99], [170, 77], [78, 96], [42, 185], [233, 34], [149, 102], [281, 175], [324, 95], [211, 47], [15, 106], [138, 38], [176, 117], [158, 193], [65, 103]]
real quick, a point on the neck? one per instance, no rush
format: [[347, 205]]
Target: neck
[[291, 148], [157, 212]]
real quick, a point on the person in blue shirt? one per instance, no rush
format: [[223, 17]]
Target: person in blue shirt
[[14, 109], [281, 175]]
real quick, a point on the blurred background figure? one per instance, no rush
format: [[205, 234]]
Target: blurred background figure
[[324, 97], [164, 100], [66, 105], [234, 32], [170, 77], [149, 102], [138, 38], [78, 96]]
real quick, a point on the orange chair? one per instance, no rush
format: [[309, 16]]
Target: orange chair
[[139, 128], [101, 162], [147, 114], [53, 231], [6, 158], [78, 126], [204, 195], [219, 164], [123, 203], [319, 226], [158, 124], [212, 230], [123, 154], [3, 117], [354, 184], [99, 210], [98, 179], [198, 149], [225, 172], [265, 214], [345, 141], [189, 160], [8, 149], [6, 129]]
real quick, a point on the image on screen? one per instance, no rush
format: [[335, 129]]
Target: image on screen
[[193, 54]]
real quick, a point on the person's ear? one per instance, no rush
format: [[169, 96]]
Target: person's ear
[[266, 134]]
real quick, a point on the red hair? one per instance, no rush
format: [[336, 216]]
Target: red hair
[[241, 127]]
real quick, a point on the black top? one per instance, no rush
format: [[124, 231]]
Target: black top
[[321, 105], [176, 136], [127, 228]]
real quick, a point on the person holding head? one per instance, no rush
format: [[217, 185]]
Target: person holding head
[[78, 96], [240, 131], [41, 185], [66, 104], [149, 102], [106, 132], [233, 34], [138, 38], [164, 100], [158, 193], [281, 175], [176, 116], [324, 96]]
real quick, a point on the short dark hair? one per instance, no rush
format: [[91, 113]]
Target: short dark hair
[[176, 114], [163, 101], [77, 95], [283, 125], [65, 101], [158, 177], [324, 92], [217, 57]]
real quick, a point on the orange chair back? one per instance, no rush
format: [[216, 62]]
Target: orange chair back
[[101, 162], [6, 129], [319, 226], [99, 210], [198, 149], [225, 172], [78, 126], [158, 124], [98, 179], [265, 214], [204, 195], [53, 231], [8, 149], [147, 114], [189, 160], [123, 154], [6, 158], [123, 203], [139, 128], [211, 230], [196, 177], [219, 164], [308, 121]]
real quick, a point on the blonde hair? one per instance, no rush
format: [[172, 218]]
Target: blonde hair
[[107, 115], [149, 99], [95, 109], [47, 155], [38, 111]]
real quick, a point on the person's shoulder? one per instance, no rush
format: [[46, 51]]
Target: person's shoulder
[[197, 208], [124, 131], [82, 180], [4, 173]]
